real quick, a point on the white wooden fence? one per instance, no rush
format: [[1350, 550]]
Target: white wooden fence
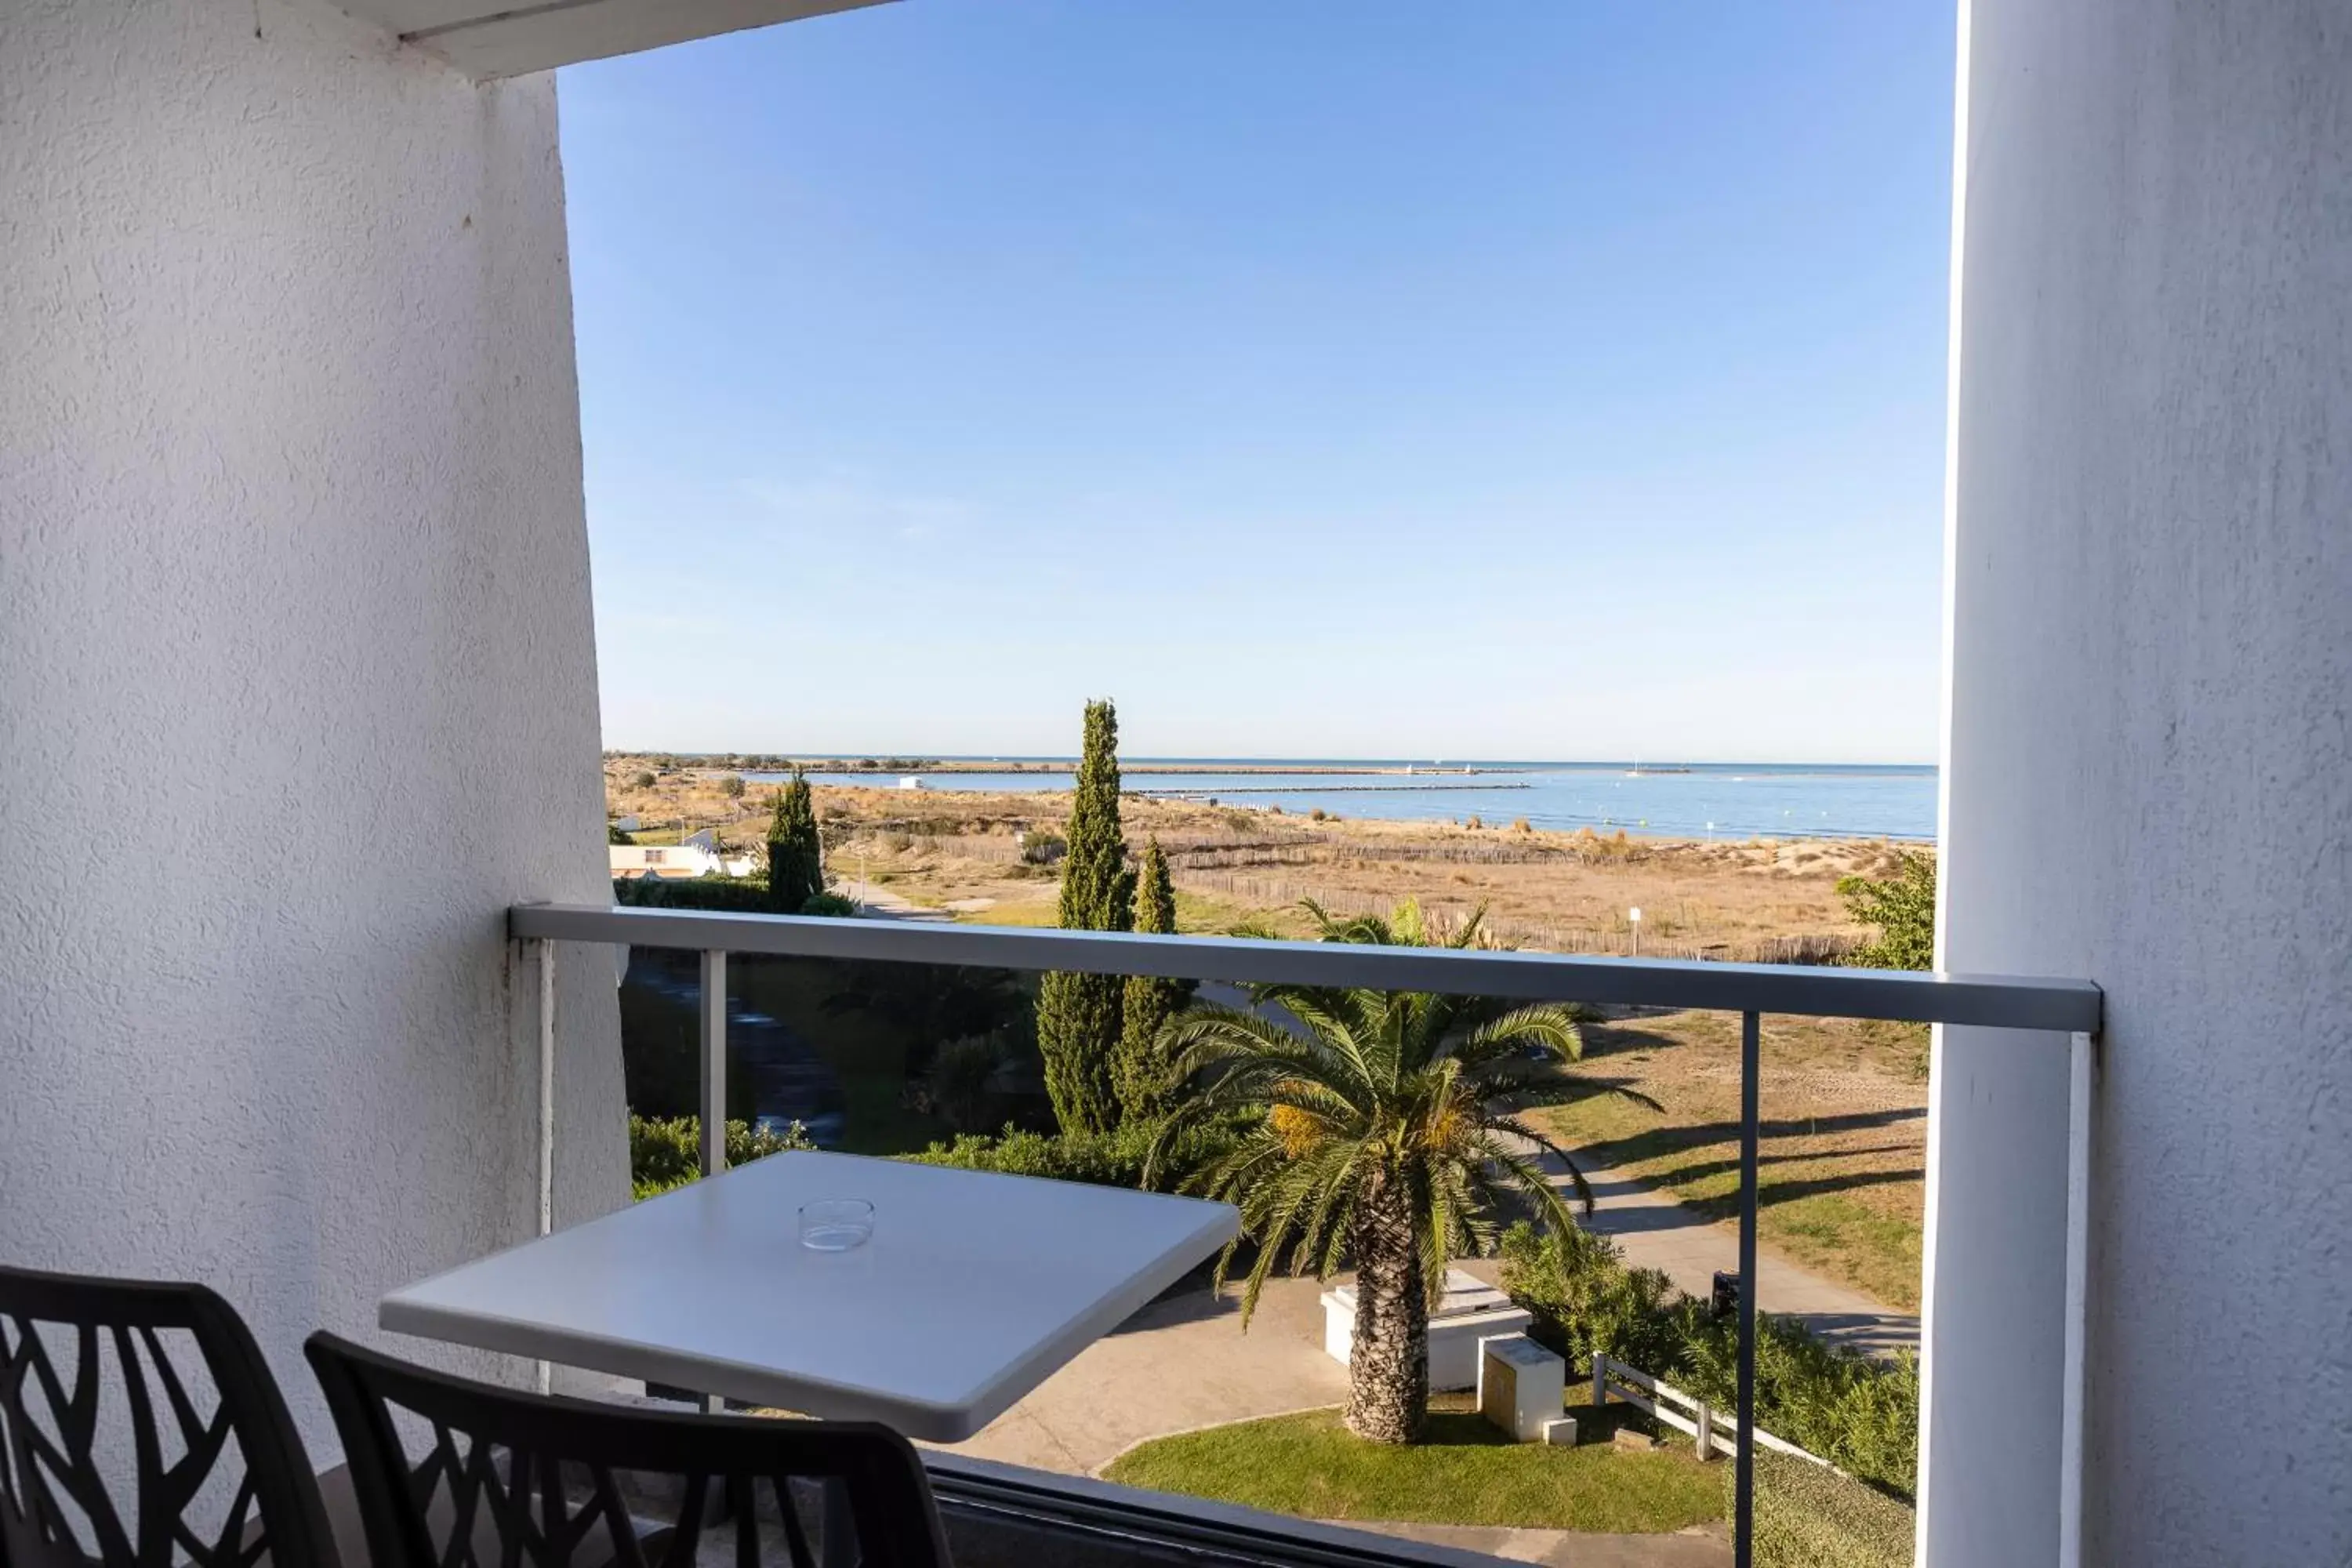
[[1713, 1431]]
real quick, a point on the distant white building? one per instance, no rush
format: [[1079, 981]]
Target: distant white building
[[911, 782], [673, 861]]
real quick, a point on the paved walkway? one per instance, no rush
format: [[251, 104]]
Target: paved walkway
[[1656, 1232], [1179, 1364], [872, 899]]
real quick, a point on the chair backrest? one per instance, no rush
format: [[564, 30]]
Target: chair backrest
[[113, 1459], [554, 1482]]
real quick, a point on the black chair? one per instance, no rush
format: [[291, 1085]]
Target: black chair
[[566, 1483], [230, 1488]]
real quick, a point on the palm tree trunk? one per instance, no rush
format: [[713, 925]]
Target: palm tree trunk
[[1388, 1367]]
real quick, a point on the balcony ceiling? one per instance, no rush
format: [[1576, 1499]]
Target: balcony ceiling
[[487, 38]]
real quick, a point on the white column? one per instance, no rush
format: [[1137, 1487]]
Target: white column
[[1994, 1299], [2149, 781], [294, 601]]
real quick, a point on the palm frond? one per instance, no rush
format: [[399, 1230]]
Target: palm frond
[[1209, 1034], [1546, 1025], [1567, 1089], [1338, 1091], [1509, 1160]]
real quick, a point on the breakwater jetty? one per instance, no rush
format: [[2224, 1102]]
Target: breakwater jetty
[[1329, 789]]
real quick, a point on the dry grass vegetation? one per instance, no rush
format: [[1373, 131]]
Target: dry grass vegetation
[[1566, 892]]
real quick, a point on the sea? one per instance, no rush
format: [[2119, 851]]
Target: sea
[[1697, 800]]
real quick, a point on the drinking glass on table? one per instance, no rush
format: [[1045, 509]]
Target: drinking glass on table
[[836, 1225]]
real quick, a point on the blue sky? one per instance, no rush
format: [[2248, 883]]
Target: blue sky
[[1534, 378]]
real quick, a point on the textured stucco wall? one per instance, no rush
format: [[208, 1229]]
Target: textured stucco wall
[[2149, 780], [298, 680]]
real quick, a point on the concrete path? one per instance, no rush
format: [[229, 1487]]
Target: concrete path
[[872, 899], [1656, 1232], [1179, 1364]]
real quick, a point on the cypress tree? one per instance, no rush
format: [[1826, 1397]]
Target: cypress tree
[[795, 859], [1079, 1015], [1143, 1067]]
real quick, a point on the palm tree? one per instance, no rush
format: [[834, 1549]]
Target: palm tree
[[1373, 1131]]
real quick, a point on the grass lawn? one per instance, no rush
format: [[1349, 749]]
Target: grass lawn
[[1467, 1472], [1841, 1180]]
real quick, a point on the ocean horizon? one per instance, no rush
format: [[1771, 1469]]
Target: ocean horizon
[[1657, 797]]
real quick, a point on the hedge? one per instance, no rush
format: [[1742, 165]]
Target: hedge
[[1807, 1517], [1861, 1415], [666, 1152], [1113, 1159], [714, 895]]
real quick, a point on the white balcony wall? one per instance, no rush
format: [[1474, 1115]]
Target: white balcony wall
[[298, 684], [2148, 774]]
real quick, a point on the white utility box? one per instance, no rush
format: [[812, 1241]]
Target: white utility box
[[1470, 1310], [1522, 1386]]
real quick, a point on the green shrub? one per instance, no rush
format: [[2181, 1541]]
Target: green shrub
[[1903, 908], [718, 895], [959, 1087], [1104, 1160], [666, 1152], [1113, 1159], [1585, 1300], [1861, 1415], [1807, 1517]]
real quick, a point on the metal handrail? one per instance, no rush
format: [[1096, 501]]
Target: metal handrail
[[2071, 1007], [1795, 989]]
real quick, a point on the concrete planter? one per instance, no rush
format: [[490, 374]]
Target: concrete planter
[[1470, 1310]]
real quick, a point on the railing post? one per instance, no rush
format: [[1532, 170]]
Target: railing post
[[2081, 1065], [713, 1014], [1599, 1379], [1705, 1422], [1743, 1480], [545, 953], [711, 1010]]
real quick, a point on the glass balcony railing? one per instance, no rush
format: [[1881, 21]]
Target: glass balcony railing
[[1694, 1102]]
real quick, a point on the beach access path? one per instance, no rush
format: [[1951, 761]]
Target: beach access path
[[1653, 1231]]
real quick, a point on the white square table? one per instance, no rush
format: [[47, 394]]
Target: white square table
[[973, 1290]]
